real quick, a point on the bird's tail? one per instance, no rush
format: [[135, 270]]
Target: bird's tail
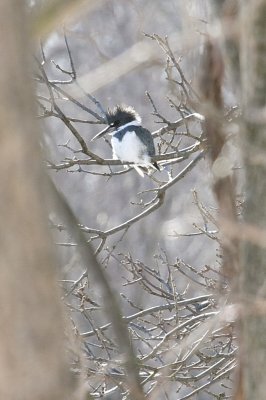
[[146, 168]]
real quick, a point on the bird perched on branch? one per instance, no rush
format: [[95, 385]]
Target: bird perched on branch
[[130, 141]]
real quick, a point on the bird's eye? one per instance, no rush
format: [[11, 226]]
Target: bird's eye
[[114, 124]]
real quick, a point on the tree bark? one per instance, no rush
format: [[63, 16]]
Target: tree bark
[[32, 360]]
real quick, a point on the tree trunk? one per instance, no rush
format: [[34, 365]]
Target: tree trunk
[[253, 66], [32, 360]]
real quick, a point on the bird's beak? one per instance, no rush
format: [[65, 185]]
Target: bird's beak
[[102, 133]]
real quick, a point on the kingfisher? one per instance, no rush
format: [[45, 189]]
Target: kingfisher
[[130, 141]]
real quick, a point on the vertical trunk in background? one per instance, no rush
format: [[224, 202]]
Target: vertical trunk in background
[[31, 350], [253, 67]]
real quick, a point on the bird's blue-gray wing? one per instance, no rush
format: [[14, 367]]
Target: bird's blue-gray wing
[[147, 139]]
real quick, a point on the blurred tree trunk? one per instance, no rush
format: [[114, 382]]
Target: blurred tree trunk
[[253, 63], [32, 360]]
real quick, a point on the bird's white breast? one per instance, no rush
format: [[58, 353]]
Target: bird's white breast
[[130, 149]]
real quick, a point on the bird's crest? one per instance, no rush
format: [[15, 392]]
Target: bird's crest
[[121, 115]]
